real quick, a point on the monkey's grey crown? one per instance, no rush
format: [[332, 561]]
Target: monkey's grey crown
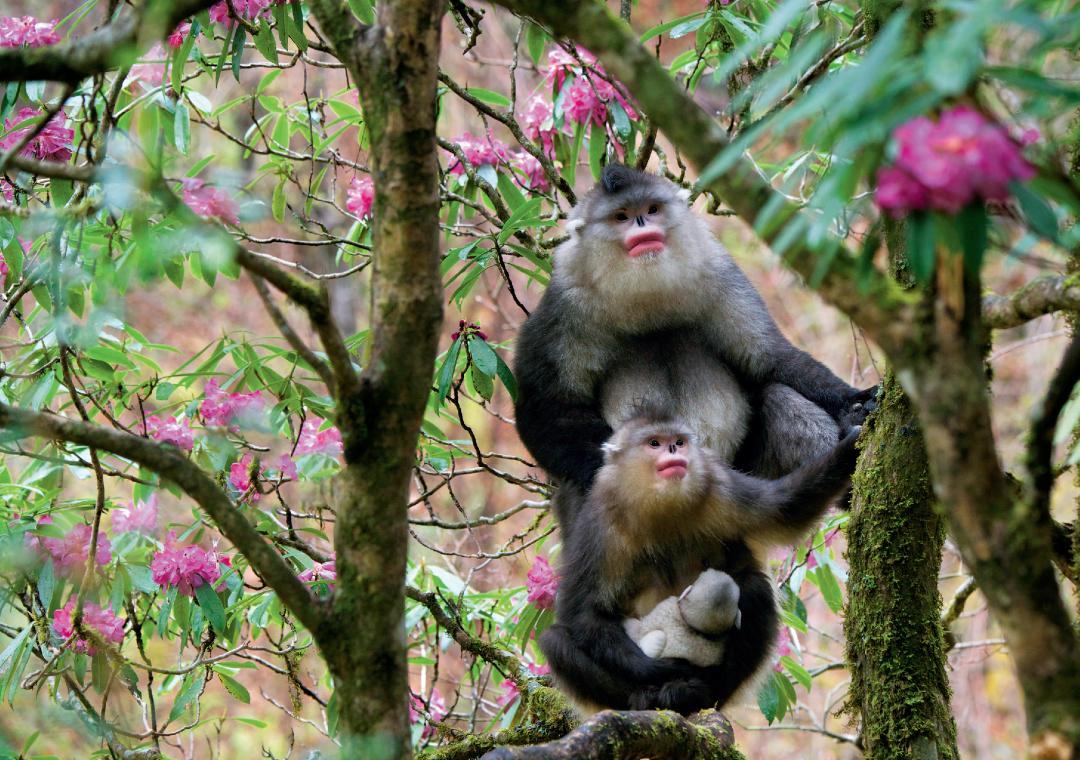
[[618, 177]]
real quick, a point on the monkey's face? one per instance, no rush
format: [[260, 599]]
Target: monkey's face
[[669, 453], [652, 465]]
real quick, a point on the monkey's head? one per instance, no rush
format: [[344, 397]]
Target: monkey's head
[[651, 465], [634, 245]]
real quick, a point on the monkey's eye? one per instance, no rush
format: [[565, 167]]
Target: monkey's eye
[[653, 209], [621, 217], [680, 442], [654, 443]]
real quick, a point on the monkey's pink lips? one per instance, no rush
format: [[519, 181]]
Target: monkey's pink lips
[[646, 242], [672, 467]]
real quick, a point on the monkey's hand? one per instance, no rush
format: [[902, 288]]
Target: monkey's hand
[[684, 696], [859, 405]]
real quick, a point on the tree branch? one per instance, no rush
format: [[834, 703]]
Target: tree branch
[[881, 307], [1040, 450], [628, 735], [169, 463], [1043, 295], [99, 50]]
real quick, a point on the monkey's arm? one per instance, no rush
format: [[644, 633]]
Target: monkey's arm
[[782, 510], [563, 430]]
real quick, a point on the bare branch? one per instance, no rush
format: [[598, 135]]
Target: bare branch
[[1043, 295], [1041, 437]]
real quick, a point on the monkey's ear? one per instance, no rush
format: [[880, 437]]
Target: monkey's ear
[[609, 448], [684, 195], [574, 226]]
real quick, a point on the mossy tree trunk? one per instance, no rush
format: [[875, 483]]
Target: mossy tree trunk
[[895, 645]]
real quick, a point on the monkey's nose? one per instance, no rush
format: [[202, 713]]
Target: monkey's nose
[[671, 448], [640, 221]]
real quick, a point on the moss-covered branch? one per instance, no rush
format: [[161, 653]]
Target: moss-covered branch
[[1043, 295], [629, 735], [169, 463]]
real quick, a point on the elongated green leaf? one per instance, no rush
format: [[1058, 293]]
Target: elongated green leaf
[[211, 606]]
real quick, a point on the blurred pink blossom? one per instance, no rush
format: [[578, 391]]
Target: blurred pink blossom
[[210, 202], [510, 689], [53, 143], [108, 625], [248, 9], [16, 31], [3, 272], [69, 553], [479, 151], [321, 571], [945, 165], [538, 123], [562, 64], [360, 197], [150, 74], [179, 34], [529, 165], [436, 709], [7, 191], [240, 477], [541, 583], [582, 104], [184, 566], [783, 647], [141, 518], [223, 409], [315, 441], [176, 431], [286, 466]]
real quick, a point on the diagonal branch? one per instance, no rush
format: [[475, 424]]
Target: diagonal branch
[[1040, 450], [170, 464], [99, 50], [880, 307], [294, 340], [1043, 295]]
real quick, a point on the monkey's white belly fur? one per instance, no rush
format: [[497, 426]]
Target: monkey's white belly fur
[[691, 387]]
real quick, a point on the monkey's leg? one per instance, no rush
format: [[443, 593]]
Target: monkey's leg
[[787, 431]]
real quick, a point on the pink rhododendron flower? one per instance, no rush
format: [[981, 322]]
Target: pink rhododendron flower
[[361, 197], [108, 625], [7, 191], [223, 409], [947, 164], [315, 441], [436, 709], [321, 571], [542, 583], [179, 34], [582, 104], [248, 9], [538, 123], [510, 689], [69, 553], [783, 647], [240, 477], [16, 31], [210, 202], [561, 64], [150, 74], [479, 151], [286, 466], [176, 431], [3, 272], [141, 518], [53, 143], [535, 179], [184, 566]]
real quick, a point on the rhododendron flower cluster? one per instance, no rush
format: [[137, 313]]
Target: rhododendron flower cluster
[[179, 34], [321, 571], [210, 202], [529, 165], [223, 409], [7, 191], [542, 583], [176, 431], [562, 64], [360, 197], [315, 441], [468, 328], [248, 9], [151, 74], [947, 164], [69, 553], [538, 123], [141, 518], [479, 151], [16, 31], [436, 709], [184, 566], [510, 689], [108, 625], [588, 98], [52, 143], [240, 477], [285, 466]]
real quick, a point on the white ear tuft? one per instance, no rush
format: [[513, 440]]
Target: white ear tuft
[[574, 226], [609, 448], [684, 195]]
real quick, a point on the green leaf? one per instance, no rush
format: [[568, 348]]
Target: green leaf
[[920, 245], [211, 607], [363, 10], [189, 690], [234, 687], [238, 51], [1038, 213], [296, 26], [277, 204], [535, 40], [182, 128], [798, 672], [830, 588], [483, 356], [769, 700], [973, 222], [179, 58], [597, 145], [661, 28], [264, 42], [507, 377], [489, 96], [447, 369], [508, 189], [481, 383]]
